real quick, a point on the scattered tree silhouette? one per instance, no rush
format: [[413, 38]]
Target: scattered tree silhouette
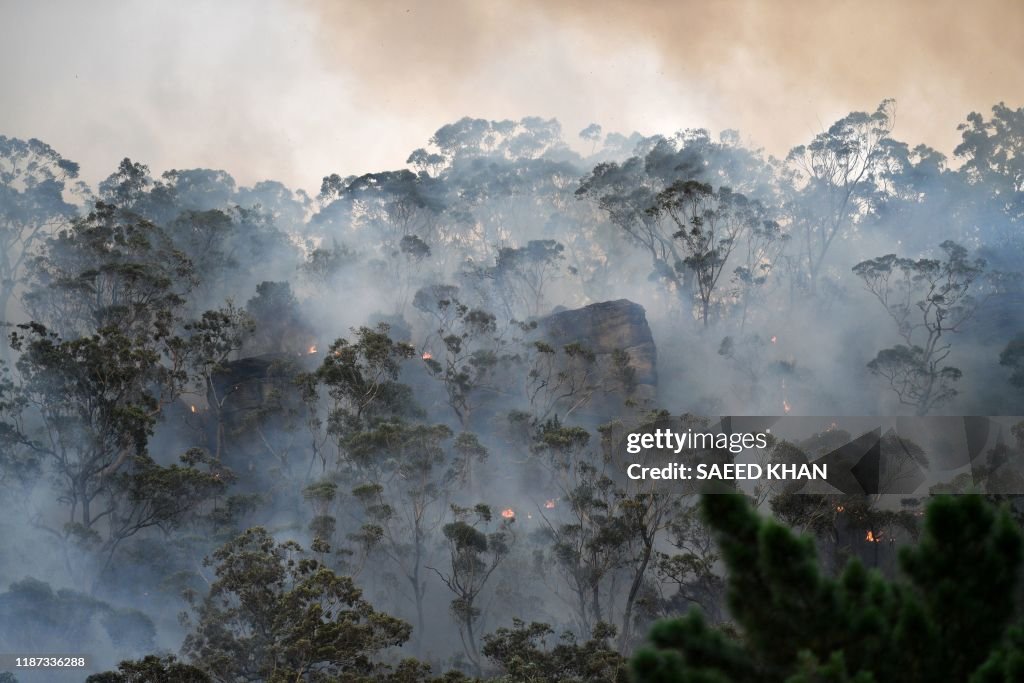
[[928, 299]]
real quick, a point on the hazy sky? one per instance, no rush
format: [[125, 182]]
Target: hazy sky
[[297, 90]]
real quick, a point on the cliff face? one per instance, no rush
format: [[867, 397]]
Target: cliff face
[[250, 385], [260, 410], [605, 328]]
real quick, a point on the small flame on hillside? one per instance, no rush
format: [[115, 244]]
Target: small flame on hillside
[[508, 513], [312, 349], [549, 504], [427, 355], [872, 538]]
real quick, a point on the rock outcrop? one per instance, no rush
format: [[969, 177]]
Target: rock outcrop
[[261, 410], [252, 385], [605, 328]]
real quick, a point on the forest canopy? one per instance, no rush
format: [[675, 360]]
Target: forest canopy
[[250, 433]]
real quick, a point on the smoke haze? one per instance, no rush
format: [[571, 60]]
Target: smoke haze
[[452, 250], [298, 90]]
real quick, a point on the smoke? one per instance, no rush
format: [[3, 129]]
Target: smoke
[[799, 353], [777, 72], [180, 85], [294, 91], [298, 90]]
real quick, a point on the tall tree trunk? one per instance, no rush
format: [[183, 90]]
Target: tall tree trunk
[[634, 590]]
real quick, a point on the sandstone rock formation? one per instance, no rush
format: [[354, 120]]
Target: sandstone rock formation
[[605, 328], [261, 410]]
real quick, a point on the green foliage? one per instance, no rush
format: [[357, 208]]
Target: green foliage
[[562, 381], [360, 375], [109, 270], [834, 180], [152, 669], [518, 280], [927, 299], [692, 564], [524, 654], [115, 293], [405, 502], [471, 343], [20, 458], [469, 449], [210, 340], [33, 178], [993, 156], [275, 614], [948, 617], [709, 223], [323, 264], [474, 555], [414, 248], [321, 492], [98, 398], [158, 496], [562, 440]]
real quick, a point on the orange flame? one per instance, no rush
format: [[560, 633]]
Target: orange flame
[[193, 408], [550, 504], [774, 339], [840, 508], [786, 407], [312, 349], [427, 355], [508, 513], [871, 538]]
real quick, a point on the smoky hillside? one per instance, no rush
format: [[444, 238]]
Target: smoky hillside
[[367, 432]]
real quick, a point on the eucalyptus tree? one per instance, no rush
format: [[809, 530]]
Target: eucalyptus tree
[[992, 150], [34, 179], [274, 613], [517, 283], [477, 545], [396, 214], [584, 532], [360, 380], [928, 300], [207, 344], [98, 367], [93, 404], [109, 269], [709, 225], [470, 353], [663, 200], [407, 481], [834, 179]]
